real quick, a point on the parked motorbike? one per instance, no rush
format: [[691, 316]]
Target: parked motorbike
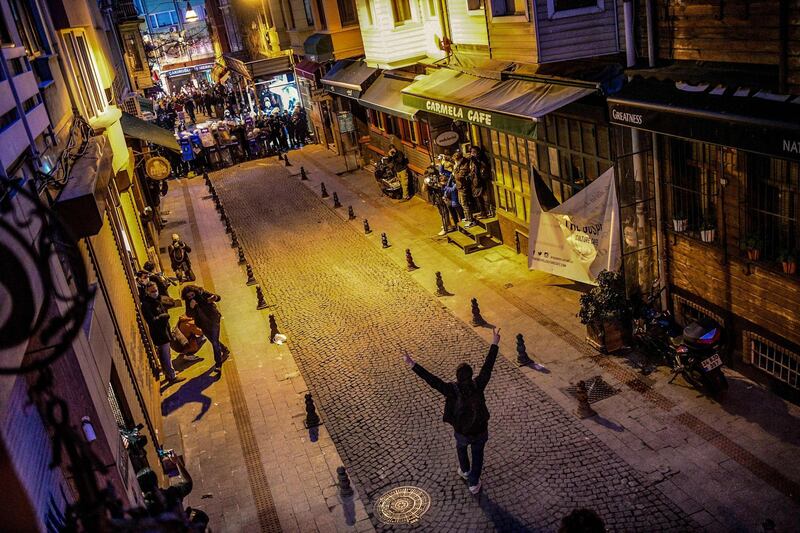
[[693, 351], [387, 179]]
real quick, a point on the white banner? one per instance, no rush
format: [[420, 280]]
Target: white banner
[[580, 237]]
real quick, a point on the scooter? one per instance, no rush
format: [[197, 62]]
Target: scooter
[[387, 179], [698, 359]]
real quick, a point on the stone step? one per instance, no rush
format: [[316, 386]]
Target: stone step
[[462, 241]]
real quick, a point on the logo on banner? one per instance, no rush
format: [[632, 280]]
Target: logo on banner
[[446, 138], [580, 237]]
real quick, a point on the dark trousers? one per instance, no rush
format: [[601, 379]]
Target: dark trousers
[[212, 334], [456, 212], [477, 443], [481, 205]]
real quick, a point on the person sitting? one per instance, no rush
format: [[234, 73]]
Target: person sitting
[[187, 339]]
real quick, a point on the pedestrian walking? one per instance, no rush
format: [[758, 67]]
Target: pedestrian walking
[[201, 306], [157, 319], [465, 409]]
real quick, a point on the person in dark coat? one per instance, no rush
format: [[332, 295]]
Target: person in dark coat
[[190, 108], [179, 257], [478, 171], [465, 409], [201, 306], [157, 318]]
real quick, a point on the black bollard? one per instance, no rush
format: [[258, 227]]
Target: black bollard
[[367, 229], [303, 176], [323, 190], [262, 303], [234, 240], [241, 256], [286, 162], [345, 489], [207, 180], [251, 279], [384, 241], [273, 329], [410, 261], [477, 319], [312, 418], [351, 215], [228, 226], [440, 290], [336, 203], [522, 352]]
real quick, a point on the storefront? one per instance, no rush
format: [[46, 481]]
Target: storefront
[[257, 79], [728, 163], [525, 128], [308, 75], [344, 122]]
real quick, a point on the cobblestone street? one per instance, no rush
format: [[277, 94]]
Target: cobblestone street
[[348, 310]]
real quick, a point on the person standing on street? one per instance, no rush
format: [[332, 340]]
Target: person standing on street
[[157, 318], [465, 409], [463, 186], [179, 257], [399, 164], [201, 306]]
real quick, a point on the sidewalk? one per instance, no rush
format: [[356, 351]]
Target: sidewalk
[[729, 466], [255, 466]]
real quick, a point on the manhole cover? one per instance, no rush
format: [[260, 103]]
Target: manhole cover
[[402, 505], [597, 389]]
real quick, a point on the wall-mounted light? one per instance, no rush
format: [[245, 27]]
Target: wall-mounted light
[[88, 429], [191, 14]]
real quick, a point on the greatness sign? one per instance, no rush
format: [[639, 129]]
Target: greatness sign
[[580, 237]]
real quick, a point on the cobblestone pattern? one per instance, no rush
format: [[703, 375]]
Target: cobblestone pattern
[[348, 310]]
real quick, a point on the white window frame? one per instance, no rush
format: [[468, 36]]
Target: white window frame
[[552, 14], [504, 19], [412, 11], [480, 12], [93, 103]]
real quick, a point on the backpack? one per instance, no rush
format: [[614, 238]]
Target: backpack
[[467, 409]]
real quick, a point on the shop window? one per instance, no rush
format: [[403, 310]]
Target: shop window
[[84, 73], [508, 8], [164, 19], [776, 360], [401, 11], [347, 12], [773, 205], [691, 184], [424, 134], [571, 8], [323, 23], [309, 13], [29, 26]]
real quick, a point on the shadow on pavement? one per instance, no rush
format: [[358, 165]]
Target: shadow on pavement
[[502, 519], [761, 407], [191, 392], [607, 423]]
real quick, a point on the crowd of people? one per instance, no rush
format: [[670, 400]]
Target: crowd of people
[[458, 186], [217, 126]]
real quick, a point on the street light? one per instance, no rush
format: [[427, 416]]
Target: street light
[[191, 14]]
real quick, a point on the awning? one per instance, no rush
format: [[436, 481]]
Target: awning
[[266, 67], [145, 131], [384, 95], [513, 106], [349, 77], [308, 69], [757, 121], [319, 47]]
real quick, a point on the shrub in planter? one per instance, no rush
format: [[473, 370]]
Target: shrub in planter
[[680, 222], [752, 245], [708, 231], [603, 311], [788, 260]]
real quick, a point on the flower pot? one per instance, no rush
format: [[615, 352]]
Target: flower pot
[[606, 336], [708, 235], [789, 267], [753, 254], [680, 224]]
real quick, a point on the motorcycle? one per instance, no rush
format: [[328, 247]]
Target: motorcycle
[[693, 351], [387, 179]]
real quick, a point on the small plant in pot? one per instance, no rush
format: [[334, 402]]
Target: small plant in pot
[[788, 260], [752, 246], [708, 230], [603, 311], [680, 221]]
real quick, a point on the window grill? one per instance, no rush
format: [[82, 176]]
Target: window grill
[[773, 359], [691, 182], [773, 205], [686, 311]]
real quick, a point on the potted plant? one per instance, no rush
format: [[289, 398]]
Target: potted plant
[[788, 259], [603, 310], [752, 246], [680, 221], [708, 230]]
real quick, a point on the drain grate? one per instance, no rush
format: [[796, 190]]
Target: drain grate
[[597, 388], [402, 505]]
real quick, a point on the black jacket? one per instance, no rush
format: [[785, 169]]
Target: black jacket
[[157, 318], [451, 392], [205, 314]]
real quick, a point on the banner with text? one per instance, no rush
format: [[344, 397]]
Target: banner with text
[[580, 237]]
